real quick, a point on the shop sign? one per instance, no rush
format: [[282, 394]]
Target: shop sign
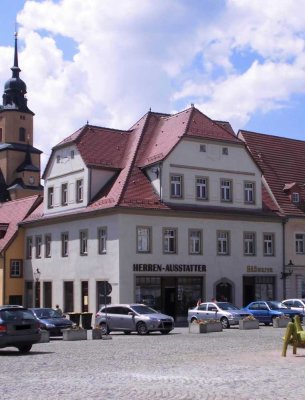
[[169, 268], [254, 268]]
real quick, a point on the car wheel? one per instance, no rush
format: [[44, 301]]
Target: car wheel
[[104, 328], [225, 323], [165, 332], [142, 328], [25, 348], [127, 332], [267, 323]]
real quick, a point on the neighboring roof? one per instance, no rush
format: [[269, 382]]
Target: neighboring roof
[[282, 161], [19, 147], [14, 212]]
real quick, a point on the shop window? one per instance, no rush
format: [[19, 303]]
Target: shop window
[[68, 297], [300, 243], [226, 190], [176, 186], [169, 240], [143, 239], [102, 240], [47, 294], [268, 244], [195, 241], [201, 188], [249, 192], [101, 294], [83, 239], [16, 269], [38, 243], [223, 243], [64, 244], [47, 244], [15, 299], [249, 243]]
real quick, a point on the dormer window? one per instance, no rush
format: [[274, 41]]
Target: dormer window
[[295, 197]]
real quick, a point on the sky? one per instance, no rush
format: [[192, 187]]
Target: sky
[[108, 62]]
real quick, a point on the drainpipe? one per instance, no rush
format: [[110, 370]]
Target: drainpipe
[[284, 258], [161, 191]]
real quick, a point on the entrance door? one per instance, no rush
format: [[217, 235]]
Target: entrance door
[[224, 291], [169, 301]]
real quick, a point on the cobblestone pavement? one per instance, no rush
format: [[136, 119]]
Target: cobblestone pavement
[[233, 364]]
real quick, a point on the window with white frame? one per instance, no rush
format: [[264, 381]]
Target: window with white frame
[[38, 243], [195, 241], [47, 245], [223, 243], [300, 243], [249, 243], [64, 194], [201, 188], [295, 197], [50, 197], [268, 244], [176, 186], [29, 247], [102, 240], [16, 269], [79, 191], [64, 244], [169, 240], [226, 190], [143, 239], [83, 243], [249, 192]]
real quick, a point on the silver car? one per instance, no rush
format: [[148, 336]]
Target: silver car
[[225, 312], [133, 318], [295, 304]]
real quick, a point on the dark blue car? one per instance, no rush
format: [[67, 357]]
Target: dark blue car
[[51, 320], [265, 311]]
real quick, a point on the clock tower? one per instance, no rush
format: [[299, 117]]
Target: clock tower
[[19, 159]]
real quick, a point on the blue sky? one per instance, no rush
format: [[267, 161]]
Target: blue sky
[[239, 61]]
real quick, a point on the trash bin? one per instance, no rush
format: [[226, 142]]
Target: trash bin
[[86, 320], [74, 317]]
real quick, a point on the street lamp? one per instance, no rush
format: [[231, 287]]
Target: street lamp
[[37, 274], [285, 274]]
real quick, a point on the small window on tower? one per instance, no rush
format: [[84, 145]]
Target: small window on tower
[[22, 134], [0, 134]]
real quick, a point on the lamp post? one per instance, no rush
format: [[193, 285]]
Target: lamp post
[[36, 274], [285, 274]]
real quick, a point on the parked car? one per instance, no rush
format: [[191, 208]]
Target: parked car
[[133, 318], [265, 311], [227, 313], [18, 328], [295, 304], [51, 320]]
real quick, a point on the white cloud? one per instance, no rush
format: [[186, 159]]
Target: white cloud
[[133, 54]]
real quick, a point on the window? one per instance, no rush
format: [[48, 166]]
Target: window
[[72, 154], [295, 197], [176, 186], [249, 192], [203, 148], [169, 240], [201, 188], [0, 134], [102, 240], [58, 159], [300, 243], [249, 243], [22, 134], [143, 239], [29, 246], [16, 269], [226, 190], [268, 244], [64, 194], [50, 197], [83, 243], [38, 243], [225, 151], [64, 244], [195, 241], [47, 245], [68, 297], [79, 190], [222, 242]]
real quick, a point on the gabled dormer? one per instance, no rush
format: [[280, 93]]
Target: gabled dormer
[[293, 191]]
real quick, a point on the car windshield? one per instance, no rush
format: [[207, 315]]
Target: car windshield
[[275, 305], [143, 310], [45, 313], [226, 306], [13, 315]]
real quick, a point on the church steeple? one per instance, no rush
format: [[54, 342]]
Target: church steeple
[[15, 89]]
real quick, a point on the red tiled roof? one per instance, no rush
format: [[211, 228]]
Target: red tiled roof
[[282, 161], [13, 212]]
